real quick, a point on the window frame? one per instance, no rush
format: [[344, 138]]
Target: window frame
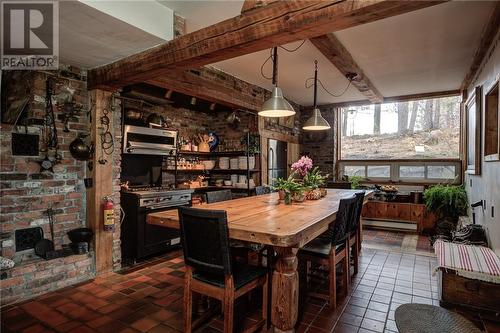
[[394, 171], [395, 168]]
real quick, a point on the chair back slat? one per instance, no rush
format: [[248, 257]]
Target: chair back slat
[[217, 196], [354, 222], [261, 190], [205, 240], [338, 229]]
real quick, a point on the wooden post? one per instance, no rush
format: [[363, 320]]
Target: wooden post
[[102, 185], [285, 290]]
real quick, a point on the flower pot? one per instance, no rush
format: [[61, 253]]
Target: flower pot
[[281, 194], [287, 198], [299, 197]]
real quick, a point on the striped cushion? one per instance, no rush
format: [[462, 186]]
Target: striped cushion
[[477, 262]]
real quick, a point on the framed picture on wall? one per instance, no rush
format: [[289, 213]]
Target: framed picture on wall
[[473, 112], [492, 124]]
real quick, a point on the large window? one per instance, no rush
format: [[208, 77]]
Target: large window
[[421, 129]]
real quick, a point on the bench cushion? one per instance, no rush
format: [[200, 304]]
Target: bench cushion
[[471, 261]]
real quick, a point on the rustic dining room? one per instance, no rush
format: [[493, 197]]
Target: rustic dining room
[[250, 166]]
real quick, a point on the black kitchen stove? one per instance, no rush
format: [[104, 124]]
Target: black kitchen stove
[[140, 239], [142, 194]]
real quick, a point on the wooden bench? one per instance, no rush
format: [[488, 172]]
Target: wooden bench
[[469, 276]]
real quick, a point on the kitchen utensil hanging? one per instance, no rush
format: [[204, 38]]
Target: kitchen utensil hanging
[[50, 139], [42, 247], [107, 143], [24, 144]]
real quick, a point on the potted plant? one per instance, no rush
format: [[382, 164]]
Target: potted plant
[[289, 188], [356, 182], [313, 180], [447, 202]]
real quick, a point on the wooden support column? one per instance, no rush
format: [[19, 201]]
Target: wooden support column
[[102, 185], [285, 290]]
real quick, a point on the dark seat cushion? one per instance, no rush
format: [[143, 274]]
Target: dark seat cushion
[[321, 247], [242, 274]]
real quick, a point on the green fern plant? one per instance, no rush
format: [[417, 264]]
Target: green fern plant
[[446, 201]]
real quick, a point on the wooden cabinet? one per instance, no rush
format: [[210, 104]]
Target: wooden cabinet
[[399, 212]]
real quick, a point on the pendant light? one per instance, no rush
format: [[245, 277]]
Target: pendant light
[[316, 122], [277, 105]]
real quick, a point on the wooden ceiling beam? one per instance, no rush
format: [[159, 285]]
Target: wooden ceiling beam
[[487, 37], [340, 57], [277, 23], [253, 4], [193, 83]]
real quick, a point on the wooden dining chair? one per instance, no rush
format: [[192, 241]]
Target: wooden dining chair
[[218, 196], [354, 230], [261, 190], [210, 270], [330, 249]]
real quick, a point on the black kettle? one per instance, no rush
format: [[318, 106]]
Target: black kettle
[[80, 150]]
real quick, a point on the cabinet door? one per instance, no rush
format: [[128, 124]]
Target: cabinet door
[[380, 210], [417, 213], [400, 212]]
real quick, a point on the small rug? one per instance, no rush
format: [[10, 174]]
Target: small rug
[[424, 318]]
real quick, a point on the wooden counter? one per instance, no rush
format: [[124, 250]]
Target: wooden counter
[[265, 220]]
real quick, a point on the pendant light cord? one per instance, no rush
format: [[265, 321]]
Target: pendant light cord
[[309, 85], [272, 57]]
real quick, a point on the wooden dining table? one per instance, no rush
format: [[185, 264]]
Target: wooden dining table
[[266, 220]]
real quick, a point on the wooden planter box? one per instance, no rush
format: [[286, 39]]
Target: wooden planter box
[[458, 290]]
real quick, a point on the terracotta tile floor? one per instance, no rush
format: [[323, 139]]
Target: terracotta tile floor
[[148, 298], [397, 241]]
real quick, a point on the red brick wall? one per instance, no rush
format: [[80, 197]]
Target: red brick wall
[[26, 192]]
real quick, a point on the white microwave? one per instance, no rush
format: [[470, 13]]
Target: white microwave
[[149, 141]]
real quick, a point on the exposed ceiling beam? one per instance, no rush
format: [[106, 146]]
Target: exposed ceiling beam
[[277, 23], [487, 37], [195, 83], [338, 55], [252, 4]]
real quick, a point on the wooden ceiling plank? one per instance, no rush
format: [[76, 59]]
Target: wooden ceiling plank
[[487, 37], [278, 23], [340, 57]]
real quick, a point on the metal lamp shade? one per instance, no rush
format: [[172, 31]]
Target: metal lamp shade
[[316, 122], [276, 106]]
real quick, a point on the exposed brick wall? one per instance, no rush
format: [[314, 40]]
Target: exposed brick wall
[[26, 193], [320, 146]]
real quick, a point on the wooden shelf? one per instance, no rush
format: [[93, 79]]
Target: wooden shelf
[[232, 188], [237, 171], [213, 153]]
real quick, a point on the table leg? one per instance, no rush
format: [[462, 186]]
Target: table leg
[[285, 292]]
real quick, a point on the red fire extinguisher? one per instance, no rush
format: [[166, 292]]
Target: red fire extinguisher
[[109, 214]]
